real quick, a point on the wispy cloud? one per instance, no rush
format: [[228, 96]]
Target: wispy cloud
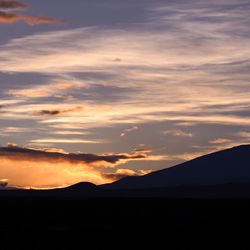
[[178, 133], [54, 89], [168, 80], [220, 141], [69, 141], [70, 132], [243, 134], [7, 131], [128, 130]]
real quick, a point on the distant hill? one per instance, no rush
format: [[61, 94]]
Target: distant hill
[[82, 189], [84, 186], [230, 166]]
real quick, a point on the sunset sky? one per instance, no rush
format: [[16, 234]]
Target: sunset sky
[[94, 90]]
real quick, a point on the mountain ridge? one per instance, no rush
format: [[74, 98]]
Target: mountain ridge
[[222, 167]]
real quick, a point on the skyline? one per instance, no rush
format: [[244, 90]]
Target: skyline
[[154, 83]]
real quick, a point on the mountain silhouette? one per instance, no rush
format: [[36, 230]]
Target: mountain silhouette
[[230, 166], [85, 186]]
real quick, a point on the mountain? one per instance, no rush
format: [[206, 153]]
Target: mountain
[[230, 166]]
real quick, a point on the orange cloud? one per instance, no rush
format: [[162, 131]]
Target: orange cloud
[[63, 85], [47, 168], [39, 20], [6, 17], [47, 174], [33, 93], [9, 17]]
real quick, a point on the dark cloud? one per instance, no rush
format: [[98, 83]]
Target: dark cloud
[[117, 60], [2, 109], [117, 176], [123, 173], [12, 5], [15, 152], [53, 112]]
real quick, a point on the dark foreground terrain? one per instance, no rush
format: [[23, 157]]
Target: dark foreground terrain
[[30, 222]]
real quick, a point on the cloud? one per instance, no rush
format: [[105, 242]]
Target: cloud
[[123, 173], [220, 141], [69, 141], [7, 131], [166, 80], [143, 151], [54, 150], [70, 132], [9, 17], [243, 134], [26, 153], [12, 5], [178, 133], [55, 112], [174, 62], [25, 167], [46, 90], [126, 131], [36, 92]]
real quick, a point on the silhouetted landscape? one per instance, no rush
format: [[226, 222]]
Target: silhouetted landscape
[[169, 207], [124, 124]]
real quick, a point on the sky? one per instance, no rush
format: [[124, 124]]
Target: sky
[[94, 90]]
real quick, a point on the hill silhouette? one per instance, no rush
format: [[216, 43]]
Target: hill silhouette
[[230, 166], [85, 186]]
